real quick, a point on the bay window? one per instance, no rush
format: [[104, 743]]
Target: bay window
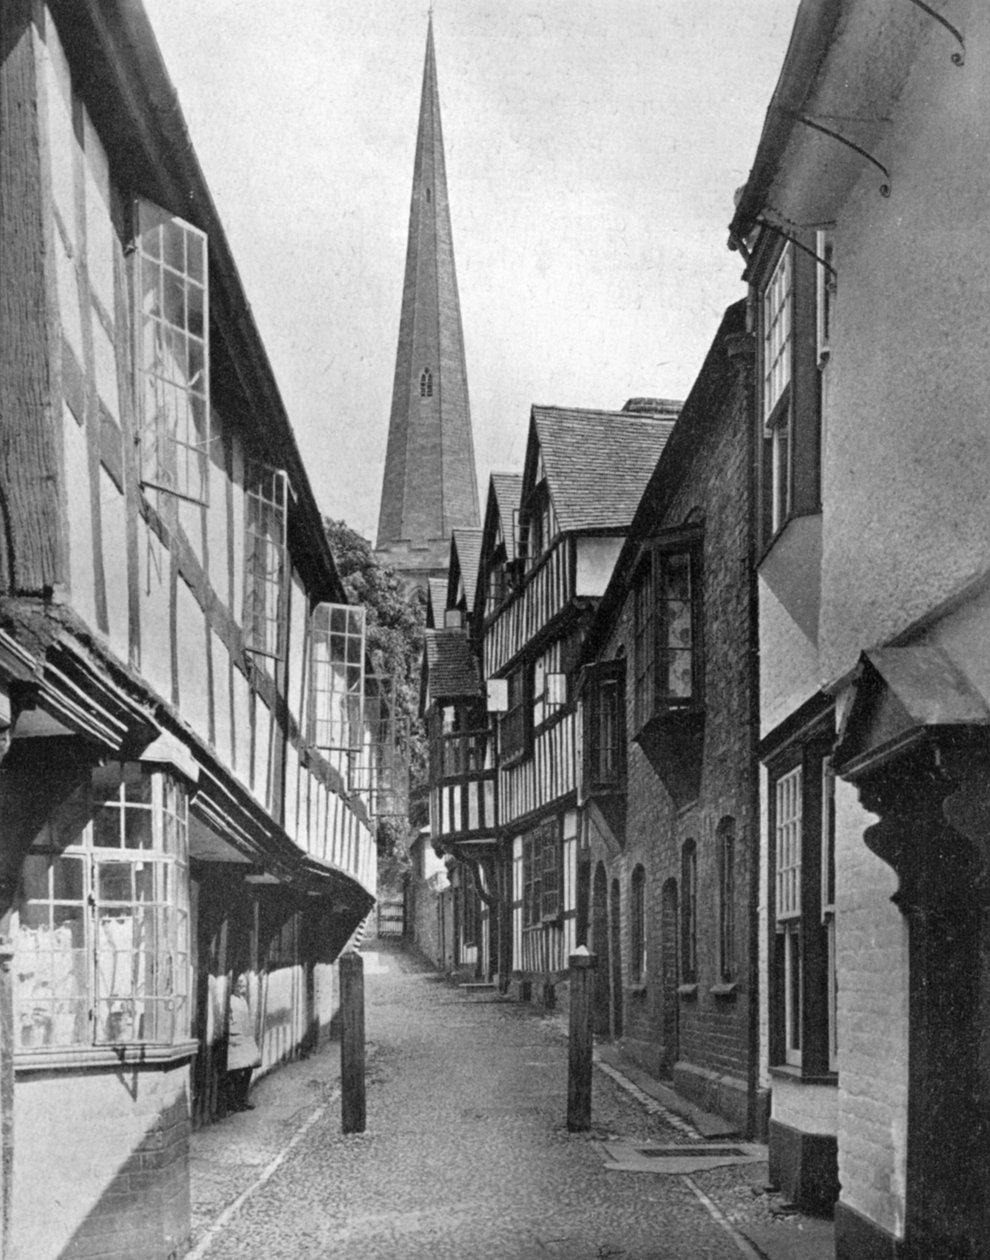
[[102, 918], [667, 666], [265, 557]]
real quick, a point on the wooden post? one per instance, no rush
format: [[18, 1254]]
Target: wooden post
[[352, 1097], [579, 1062]]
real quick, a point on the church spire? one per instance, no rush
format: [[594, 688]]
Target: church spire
[[430, 485]]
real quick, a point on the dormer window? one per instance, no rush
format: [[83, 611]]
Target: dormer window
[[426, 384]]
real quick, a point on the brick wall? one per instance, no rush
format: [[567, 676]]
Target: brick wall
[[713, 1051]]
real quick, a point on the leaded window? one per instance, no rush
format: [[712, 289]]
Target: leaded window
[[172, 352], [102, 920], [265, 559], [337, 682], [542, 874]]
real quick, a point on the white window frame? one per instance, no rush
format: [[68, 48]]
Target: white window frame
[[266, 551], [789, 810], [128, 973], [778, 311], [172, 352]]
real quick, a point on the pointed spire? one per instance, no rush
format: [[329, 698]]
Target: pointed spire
[[430, 485]]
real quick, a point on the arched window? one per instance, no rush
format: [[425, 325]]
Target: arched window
[[689, 913], [426, 384], [725, 842], [637, 926]]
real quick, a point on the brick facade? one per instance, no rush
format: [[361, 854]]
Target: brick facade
[[702, 1032]]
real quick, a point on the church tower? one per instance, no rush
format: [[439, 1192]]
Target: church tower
[[430, 486]]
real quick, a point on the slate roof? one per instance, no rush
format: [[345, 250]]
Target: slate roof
[[508, 492], [598, 463], [468, 545], [450, 665]]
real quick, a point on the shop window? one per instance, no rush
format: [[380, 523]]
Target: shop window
[[102, 919], [542, 874], [637, 925], [265, 559], [689, 913], [172, 353]]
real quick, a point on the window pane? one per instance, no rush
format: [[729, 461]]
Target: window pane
[[34, 877], [67, 879], [114, 881]]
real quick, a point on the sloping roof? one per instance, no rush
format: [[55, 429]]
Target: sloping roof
[[508, 492], [436, 604], [598, 462], [467, 544], [450, 665]]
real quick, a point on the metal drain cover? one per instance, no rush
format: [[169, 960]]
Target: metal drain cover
[[623, 1156]]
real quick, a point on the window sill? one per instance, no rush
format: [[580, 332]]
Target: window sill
[[687, 990], [791, 1072], [56, 1058], [729, 989]]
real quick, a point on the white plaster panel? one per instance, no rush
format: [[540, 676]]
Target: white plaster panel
[[156, 647], [216, 519], [907, 451], [298, 614], [113, 517], [194, 690], [872, 982], [262, 749], [105, 364], [596, 559], [242, 727], [191, 517], [789, 674], [79, 514], [61, 137], [223, 741], [101, 240], [293, 798]]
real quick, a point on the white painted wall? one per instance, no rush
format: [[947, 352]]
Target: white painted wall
[[596, 559]]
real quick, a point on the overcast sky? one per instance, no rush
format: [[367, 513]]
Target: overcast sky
[[593, 148]]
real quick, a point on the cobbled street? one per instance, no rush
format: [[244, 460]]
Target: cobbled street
[[466, 1152]]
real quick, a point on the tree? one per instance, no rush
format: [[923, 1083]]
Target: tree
[[394, 629]]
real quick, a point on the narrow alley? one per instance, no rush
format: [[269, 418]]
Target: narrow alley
[[466, 1153]]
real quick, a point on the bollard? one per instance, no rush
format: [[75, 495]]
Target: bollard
[[582, 966], [352, 1099]]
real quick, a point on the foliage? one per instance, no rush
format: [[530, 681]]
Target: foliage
[[395, 644]]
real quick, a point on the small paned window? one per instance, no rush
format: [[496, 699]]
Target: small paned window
[[265, 559], [102, 918], [689, 912], [725, 839], [172, 353], [426, 384], [542, 874], [605, 726], [801, 841], [667, 666], [637, 925], [794, 314], [337, 682], [515, 725]]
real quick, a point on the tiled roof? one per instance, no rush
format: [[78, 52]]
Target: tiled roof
[[437, 592], [468, 544], [508, 492], [598, 462], [451, 665]]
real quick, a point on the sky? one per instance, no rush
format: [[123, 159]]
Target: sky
[[593, 149]]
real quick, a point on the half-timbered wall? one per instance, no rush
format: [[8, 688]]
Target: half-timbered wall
[[544, 949], [547, 592], [163, 580]]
